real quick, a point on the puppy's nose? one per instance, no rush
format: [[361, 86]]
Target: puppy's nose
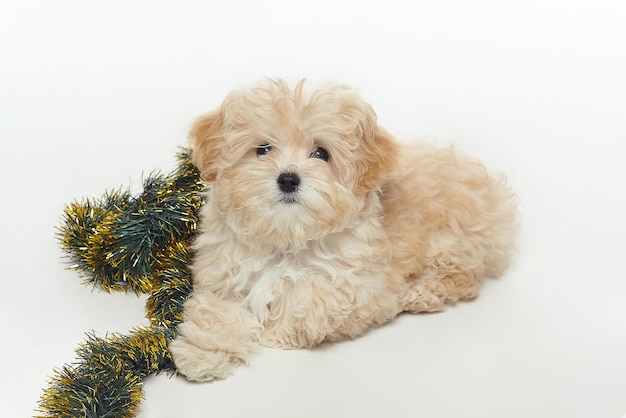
[[288, 182]]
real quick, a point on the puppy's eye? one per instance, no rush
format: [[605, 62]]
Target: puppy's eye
[[320, 153], [263, 149]]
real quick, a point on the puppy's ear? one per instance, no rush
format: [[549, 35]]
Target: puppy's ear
[[378, 152], [207, 139]]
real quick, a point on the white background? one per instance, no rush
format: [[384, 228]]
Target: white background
[[93, 95]]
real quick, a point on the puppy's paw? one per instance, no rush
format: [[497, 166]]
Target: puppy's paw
[[270, 339], [419, 299], [275, 337], [201, 365]]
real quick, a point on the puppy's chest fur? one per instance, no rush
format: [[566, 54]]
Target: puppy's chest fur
[[348, 269]]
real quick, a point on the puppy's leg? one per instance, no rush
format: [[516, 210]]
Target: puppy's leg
[[304, 314], [437, 287], [456, 264], [215, 336], [311, 311]]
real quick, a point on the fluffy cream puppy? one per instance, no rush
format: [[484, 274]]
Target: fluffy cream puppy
[[319, 225]]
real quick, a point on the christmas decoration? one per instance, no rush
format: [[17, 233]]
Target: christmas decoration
[[122, 242]]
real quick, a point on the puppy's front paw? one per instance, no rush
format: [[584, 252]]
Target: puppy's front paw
[[269, 338], [275, 337], [202, 365]]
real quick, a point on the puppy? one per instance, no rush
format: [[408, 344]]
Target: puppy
[[319, 225]]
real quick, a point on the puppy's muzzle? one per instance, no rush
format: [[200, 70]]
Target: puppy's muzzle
[[288, 182]]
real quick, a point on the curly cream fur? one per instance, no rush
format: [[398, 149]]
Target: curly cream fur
[[378, 229]]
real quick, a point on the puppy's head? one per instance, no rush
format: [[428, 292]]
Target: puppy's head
[[290, 166]]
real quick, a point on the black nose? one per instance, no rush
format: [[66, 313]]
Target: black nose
[[288, 182]]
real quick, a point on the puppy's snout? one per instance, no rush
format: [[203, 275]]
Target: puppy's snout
[[288, 182]]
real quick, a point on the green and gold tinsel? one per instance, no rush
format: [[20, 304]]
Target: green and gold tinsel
[[122, 242]]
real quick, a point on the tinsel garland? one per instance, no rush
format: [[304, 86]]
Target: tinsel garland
[[122, 242]]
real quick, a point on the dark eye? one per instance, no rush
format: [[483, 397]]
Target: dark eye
[[320, 153], [263, 149]]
